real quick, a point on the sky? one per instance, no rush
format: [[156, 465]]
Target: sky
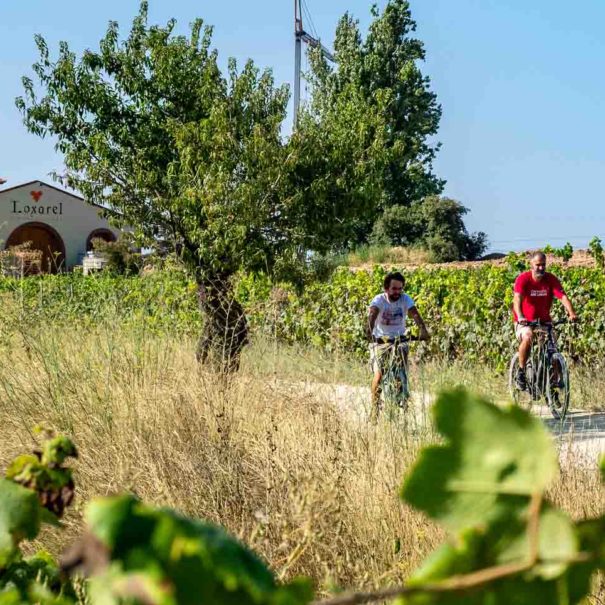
[[520, 84]]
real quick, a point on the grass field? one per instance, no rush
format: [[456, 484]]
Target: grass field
[[275, 464]]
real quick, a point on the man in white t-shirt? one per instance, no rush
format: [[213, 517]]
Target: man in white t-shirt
[[386, 322]]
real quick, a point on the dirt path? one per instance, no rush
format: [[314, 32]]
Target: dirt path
[[580, 437]]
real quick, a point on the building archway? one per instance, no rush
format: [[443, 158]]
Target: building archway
[[43, 237], [105, 234]]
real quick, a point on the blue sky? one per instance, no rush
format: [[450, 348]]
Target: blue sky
[[520, 84]]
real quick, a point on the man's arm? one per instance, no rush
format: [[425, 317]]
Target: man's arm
[[415, 315], [372, 317], [569, 308], [517, 300]]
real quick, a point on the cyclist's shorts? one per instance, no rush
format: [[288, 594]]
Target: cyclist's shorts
[[379, 353], [520, 330]]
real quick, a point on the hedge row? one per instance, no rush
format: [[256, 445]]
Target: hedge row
[[163, 301], [467, 310]]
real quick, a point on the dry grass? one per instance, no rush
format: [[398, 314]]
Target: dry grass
[[274, 463], [367, 256]]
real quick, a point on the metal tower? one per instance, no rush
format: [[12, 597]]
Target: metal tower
[[300, 36]]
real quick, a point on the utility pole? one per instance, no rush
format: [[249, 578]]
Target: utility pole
[[300, 36]]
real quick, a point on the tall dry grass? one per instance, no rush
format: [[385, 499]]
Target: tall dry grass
[[277, 462]]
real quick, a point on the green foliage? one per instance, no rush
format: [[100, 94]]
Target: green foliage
[[595, 249], [137, 118], [492, 462], [434, 223], [517, 261], [158, 556], [486, 484], [121, 260], [19, 518], [36, 490], [565, 253], [468, 311], [376, 113], [43, 472], [150, 127], [157, 301]]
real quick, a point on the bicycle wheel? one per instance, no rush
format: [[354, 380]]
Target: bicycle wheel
[[395, 390], [521, 398], [557, 386]]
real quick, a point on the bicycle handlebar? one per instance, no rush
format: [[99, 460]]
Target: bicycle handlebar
[[397, 340], [545, 324]]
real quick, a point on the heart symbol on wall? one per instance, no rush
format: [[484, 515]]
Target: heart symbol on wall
[[36, 195]]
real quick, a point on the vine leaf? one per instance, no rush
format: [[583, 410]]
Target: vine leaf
[[479, 483], [19, 518], [492, 462], [43, 472], [159, 556]]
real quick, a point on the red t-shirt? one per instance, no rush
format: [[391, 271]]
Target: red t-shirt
[[537, 295]]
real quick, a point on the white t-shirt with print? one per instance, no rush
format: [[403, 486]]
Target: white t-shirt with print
[[392, 316]]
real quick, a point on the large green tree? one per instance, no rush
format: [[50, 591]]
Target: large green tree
[[152, 129], [378, 100]]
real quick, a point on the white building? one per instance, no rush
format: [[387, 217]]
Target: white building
[[58, 223]]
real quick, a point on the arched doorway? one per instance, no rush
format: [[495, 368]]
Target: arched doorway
[[105, 234], [44, 238]]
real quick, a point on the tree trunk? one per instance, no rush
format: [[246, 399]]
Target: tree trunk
[[225, 330]]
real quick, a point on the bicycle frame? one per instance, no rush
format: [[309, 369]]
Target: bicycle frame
[[395, 385], [541, 355]]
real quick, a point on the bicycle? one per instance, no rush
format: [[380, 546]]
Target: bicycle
[[395, 388], [546, 371]]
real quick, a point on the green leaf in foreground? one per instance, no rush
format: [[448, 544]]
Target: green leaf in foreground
[[159, 556], [486, 482], [502, 544], [19, 518], [492, 461]]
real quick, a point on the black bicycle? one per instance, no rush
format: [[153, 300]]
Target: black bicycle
[[395, 386], [546, 371]]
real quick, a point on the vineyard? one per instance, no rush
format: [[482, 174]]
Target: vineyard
[[467, 310], [485, 483]]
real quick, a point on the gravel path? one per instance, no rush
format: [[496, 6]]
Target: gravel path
[[580, 437]]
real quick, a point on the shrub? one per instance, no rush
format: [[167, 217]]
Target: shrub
[[435, 223]]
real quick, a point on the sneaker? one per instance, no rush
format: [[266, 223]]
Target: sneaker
[[521, 380]]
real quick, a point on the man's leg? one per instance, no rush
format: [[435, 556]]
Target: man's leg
[[404, 354], [525, 336], [524, 349], [376, 380], [376, 388]]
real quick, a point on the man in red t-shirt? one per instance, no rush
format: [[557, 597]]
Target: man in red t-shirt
[[533, 295]]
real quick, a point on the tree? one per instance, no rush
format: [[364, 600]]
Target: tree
[[150, 128], [378, 102], [436, 223]]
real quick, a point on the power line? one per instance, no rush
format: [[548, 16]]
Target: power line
[[539, 238], [310, 19]]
